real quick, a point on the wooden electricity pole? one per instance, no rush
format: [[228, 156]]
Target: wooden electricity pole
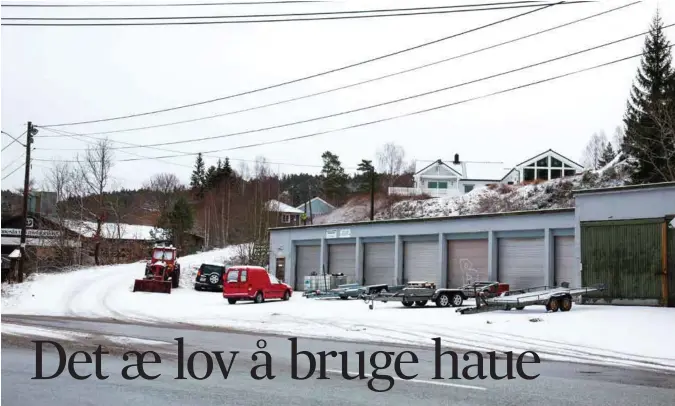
[[26, 184]]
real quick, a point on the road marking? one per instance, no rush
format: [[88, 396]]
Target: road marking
[[454, 385]]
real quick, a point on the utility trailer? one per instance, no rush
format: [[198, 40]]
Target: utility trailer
[[420, 293], [350, 290], [552, 298]]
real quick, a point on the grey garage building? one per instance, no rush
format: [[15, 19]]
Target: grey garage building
[[523, 249], [448, 251]]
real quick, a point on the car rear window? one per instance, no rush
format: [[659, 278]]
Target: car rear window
[[233, 276], [208, 268]]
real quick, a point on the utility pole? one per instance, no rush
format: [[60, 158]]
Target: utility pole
[[372, 193], [30, 131]]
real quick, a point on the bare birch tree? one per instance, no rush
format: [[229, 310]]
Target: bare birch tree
[[165, 186], [594, 149], [391, 162], [95, 173]]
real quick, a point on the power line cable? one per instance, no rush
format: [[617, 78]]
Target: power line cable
[[14, 140], [11, 173], [305, 77], [84, 5], [350, 17], [75, 137], [14, 161], [372, 106], [361, 82], [364, 124], [348, 12], [66, 134]]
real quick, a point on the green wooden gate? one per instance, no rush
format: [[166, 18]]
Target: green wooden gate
[[626, 255]]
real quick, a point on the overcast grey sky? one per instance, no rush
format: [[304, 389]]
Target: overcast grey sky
[[56, 74]]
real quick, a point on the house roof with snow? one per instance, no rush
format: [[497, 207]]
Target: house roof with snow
[[494, 171], [119, 231], [279, 207], [316, 206]]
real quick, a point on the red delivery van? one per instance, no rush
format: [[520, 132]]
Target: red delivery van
[[253, 283]]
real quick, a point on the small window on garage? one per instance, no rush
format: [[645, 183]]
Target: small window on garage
[[285, 218], [468, 188]]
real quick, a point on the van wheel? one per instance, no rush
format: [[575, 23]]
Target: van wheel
[[259, 297], [231, 301], [286, 296]]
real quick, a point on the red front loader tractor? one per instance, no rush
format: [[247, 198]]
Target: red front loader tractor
[[162, 272]]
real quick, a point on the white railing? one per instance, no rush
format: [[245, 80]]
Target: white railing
[[412, 191]]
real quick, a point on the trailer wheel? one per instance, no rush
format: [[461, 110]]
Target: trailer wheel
[[421, 303], [565, 304], [406, 303], [457, 300], [443, 300], [520, 307], [553, 305]]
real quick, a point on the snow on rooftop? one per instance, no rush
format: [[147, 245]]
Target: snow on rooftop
[[277, 206], [486, 170], [111, 230]]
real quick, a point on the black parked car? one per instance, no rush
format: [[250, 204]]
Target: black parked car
[[210, 277]]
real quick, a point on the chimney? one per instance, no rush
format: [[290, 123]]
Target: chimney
[[456, 162]]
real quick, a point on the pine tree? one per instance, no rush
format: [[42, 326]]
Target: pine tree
[[334, 177], [198, 178], [607, 156], [652, 92], [366, 170]]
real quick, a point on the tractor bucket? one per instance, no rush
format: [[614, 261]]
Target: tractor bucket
[[150, 285]]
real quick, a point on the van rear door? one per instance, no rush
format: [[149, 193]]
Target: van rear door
[[232, 283]]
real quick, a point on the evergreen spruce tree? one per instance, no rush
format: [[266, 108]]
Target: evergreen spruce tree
[[607, 156], [198, 178], [651, 93]]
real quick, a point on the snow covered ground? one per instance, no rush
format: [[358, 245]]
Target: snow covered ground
[[629, 336]]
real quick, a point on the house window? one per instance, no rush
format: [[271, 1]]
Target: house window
[[442, 185], [547, 168], [432, 185], [468, 188], [285, 218]]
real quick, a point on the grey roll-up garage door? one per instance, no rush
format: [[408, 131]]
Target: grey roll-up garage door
[[342, 259], [467, 262], [565, 262], [521, 262], [420, 262], [308, 261], [378, 263]]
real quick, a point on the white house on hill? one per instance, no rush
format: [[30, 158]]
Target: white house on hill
[[458, 177]]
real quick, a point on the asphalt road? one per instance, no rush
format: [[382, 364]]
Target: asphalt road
[[557, 383]]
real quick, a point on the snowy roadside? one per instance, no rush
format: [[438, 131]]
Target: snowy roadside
[[589, 334]]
